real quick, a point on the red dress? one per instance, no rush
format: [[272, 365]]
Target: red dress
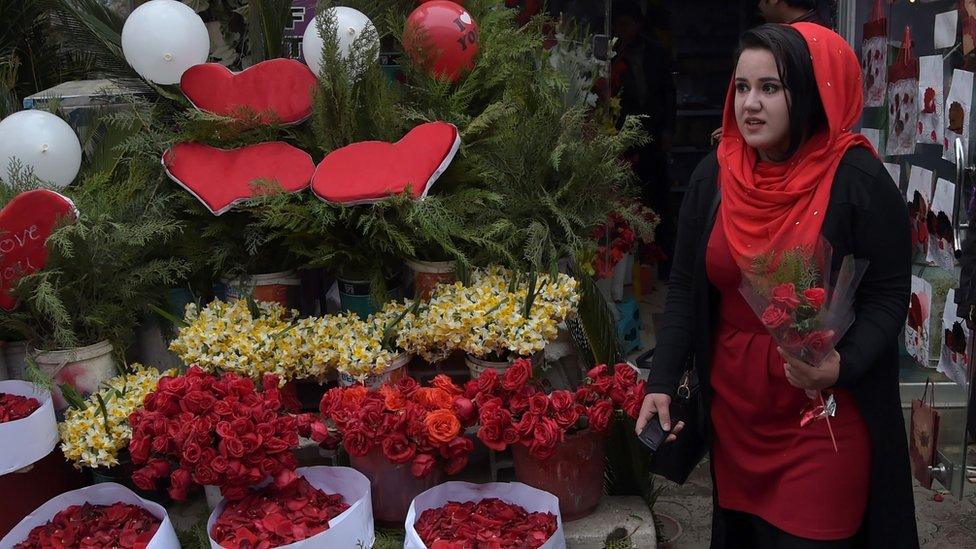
[[765, 463]]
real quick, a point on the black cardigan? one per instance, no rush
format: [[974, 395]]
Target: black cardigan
[[866, 217]]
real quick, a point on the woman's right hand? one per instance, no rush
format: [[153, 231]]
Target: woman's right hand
[[660, 404]]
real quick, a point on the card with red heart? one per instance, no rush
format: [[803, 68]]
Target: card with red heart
[[278, 90], [220, 178], [26, 222], [369, 171]]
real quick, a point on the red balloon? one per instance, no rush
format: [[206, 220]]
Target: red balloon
[[442, 37]]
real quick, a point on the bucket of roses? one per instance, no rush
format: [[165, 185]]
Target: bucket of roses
[[28, 428], [404, 437], [321, 507], [107, 514], [200, 430], [502, 514], [558, 438]]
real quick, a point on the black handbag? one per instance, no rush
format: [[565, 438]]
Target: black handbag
[[676, 460]]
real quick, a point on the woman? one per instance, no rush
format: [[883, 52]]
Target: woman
[[789, 170]]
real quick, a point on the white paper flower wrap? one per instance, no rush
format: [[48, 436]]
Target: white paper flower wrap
[[27, 441]]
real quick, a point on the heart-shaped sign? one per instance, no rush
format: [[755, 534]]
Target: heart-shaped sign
[[370, 171], [25, 224], [279, 90], [221, 178]]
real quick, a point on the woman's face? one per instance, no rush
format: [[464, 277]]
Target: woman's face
[[762, 105]]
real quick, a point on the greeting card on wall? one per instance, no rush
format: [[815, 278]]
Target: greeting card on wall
[[930, 128], [894, 170], [957, 113], [917, 325], [919, 197], [942, 242], [874, 57], [955, 343], [902, 104]]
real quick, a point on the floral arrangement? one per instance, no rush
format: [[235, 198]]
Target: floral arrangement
[[197, 429], [14, 407], [274, 516], [412, 424], [245, 337], [234, 337], [619, 237], [499, 314], [511, 410], [490, 522], [93, 435], [95, 526]]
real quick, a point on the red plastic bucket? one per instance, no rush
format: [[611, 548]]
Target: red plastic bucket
[[574, 474], [392, 485]]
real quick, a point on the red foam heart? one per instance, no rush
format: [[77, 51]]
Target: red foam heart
[[221, 178], [280, 90], [370, 171], [26, 222]]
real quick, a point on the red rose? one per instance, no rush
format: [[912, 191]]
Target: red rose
[[517, 375], [518, 402], [596, 372], [602, 385], [525, 429], [456, 464], [460, 446], [818, 342], [471, 389], [547, 436], [624, 376], [331, 401], [494, 421], [179, 484], [144, 479], [600, 415], [192, 452], [398, 449], [815, 297], [139, 448], [562, 400], [407, 386], [422, 465], [445, 384], [539, 403], [487, 382], [585, 395], [464, 409], [774, 317], [204, 474], [357, 442], [635, 398], [785, 296], [231, 447], [568, 417]]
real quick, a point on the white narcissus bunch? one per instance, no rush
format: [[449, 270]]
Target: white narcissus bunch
[[227, 337], [488, 316], [93, 438]]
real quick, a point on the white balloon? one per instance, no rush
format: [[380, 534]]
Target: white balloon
[[163, 38], [43, 142], [350, 25]]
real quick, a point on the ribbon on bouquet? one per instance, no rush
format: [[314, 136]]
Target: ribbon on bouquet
[[820, 408]]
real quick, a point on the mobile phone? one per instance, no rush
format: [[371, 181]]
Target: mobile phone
[[653, 434]]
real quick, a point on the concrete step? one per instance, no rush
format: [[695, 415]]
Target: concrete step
[[629, 513]]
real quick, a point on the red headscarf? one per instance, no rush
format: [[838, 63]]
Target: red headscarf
[[780, 207]]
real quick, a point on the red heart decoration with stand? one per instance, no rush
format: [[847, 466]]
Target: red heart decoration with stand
[[26, 222], [279, 90], [220, 178], [367, 172]]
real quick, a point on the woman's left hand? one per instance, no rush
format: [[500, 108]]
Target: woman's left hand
[[803, 376]]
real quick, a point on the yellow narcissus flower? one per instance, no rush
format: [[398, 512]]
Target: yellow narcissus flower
[[93, 438]]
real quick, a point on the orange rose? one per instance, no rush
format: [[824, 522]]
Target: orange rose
[[433, 398], [392, 398], [442, 426], [352, 396], [444, 383]]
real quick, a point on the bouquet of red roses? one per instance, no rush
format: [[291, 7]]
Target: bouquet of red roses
[[197, 429], [805, 309], [512, 410], [490, 522], [412, 424], [90, 526], [14, 407]]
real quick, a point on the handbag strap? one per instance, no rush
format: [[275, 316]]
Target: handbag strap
[[925, 393]]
